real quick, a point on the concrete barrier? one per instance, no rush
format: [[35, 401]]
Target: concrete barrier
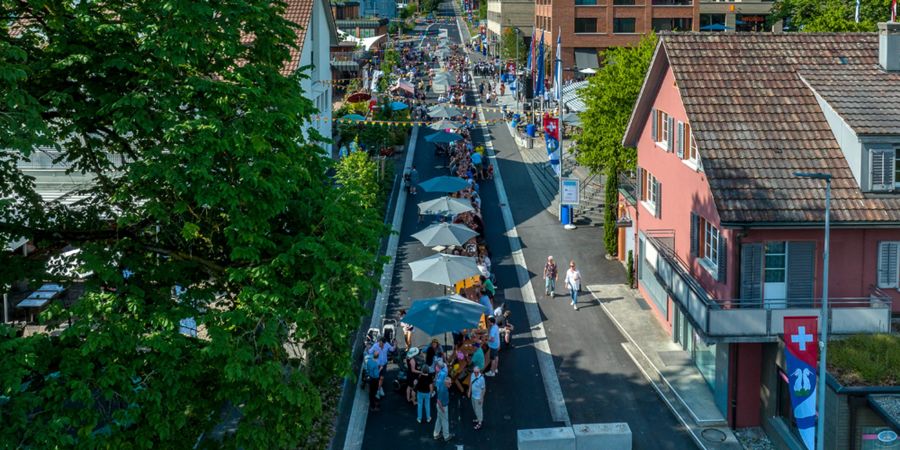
[[562, 438], [609, 436]]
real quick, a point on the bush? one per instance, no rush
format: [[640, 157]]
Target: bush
[[867, 360]]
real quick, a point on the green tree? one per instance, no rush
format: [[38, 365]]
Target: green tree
[[204, 179], [831, 15], [513, 46], [610, 96]]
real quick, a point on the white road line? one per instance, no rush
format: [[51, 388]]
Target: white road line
[[557, 403], [356, 428]]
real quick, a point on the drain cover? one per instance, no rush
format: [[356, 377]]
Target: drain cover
[[713, 435]]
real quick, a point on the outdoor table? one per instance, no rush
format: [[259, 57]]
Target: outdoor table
[[40, 298]]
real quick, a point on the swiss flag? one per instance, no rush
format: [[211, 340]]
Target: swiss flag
[[801, 338], [551, 127]]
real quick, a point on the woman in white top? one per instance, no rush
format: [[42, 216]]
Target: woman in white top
[[573, 283]]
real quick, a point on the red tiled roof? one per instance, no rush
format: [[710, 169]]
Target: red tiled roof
[[756, 121]]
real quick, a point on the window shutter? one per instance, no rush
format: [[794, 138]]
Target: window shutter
[[658, 186], [653, 124], [887, 264], [679, 140], [670, 144], [722, 262], [801, 257], [751, 272], [881, 165], [695, 232], [640, 184]]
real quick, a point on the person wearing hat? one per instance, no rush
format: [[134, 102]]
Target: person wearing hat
[[373, 372], [412, 371], [551, 274]]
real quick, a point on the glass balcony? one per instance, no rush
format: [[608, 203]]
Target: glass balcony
[[738, 320]]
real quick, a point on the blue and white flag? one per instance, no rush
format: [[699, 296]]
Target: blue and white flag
[[539, 79], [557, 76], [801, 351], [551, 140]]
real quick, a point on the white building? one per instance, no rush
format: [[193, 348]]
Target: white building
[[316, 36]]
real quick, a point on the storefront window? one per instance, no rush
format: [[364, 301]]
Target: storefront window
[[705, 359], [750, 22]]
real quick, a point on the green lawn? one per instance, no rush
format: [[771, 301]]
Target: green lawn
[[866, 360]]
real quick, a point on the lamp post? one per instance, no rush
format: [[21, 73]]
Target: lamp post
[[823, 341]]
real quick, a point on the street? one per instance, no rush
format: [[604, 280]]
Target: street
[[599, 381]]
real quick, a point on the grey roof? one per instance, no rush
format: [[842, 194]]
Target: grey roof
[[756, 121]]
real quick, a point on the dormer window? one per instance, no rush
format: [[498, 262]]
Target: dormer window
[[884, 170]]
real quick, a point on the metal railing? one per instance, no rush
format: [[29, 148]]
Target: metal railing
[[756, 320]]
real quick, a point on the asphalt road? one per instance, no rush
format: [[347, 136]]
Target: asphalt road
[[599, 381]]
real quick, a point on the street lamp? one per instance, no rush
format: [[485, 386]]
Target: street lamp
[[823, 341]]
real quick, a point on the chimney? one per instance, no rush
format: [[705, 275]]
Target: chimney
[[889, 46]]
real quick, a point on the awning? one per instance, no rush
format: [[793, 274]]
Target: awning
[[586, 59], [345, 66]]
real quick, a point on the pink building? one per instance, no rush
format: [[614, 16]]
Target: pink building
[[726, 239]]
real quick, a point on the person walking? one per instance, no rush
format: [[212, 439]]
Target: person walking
[[374, 373], [477, 390], [442, 425], [551, 274], [424, 388], [413, 180], [573, 283]]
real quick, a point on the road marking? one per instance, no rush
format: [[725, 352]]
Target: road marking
[[557, 403]]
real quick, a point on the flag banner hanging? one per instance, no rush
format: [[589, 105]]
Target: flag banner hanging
[[539, 80], [529, 61], [551, 139], [557, 68], [801, 348]]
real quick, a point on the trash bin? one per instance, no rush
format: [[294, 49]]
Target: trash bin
[[529, 142], [566, 213], [530, 130]]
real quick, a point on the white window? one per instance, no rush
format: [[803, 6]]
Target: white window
[[689, 146], [649, 191], [709, 243], [888, 266], [883, 169], [662, 124]]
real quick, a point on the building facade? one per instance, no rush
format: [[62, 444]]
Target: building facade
[[727, 240], [506, 14], [588, 27], [315, 37], [738, 15]]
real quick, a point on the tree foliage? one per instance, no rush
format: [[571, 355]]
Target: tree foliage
[[831, 15], [214, 188], [513, 47], [609, 96]]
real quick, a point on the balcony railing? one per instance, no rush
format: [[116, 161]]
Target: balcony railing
[[737, 320]]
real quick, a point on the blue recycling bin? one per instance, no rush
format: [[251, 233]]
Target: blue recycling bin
[[530, 130], [566, 213]]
